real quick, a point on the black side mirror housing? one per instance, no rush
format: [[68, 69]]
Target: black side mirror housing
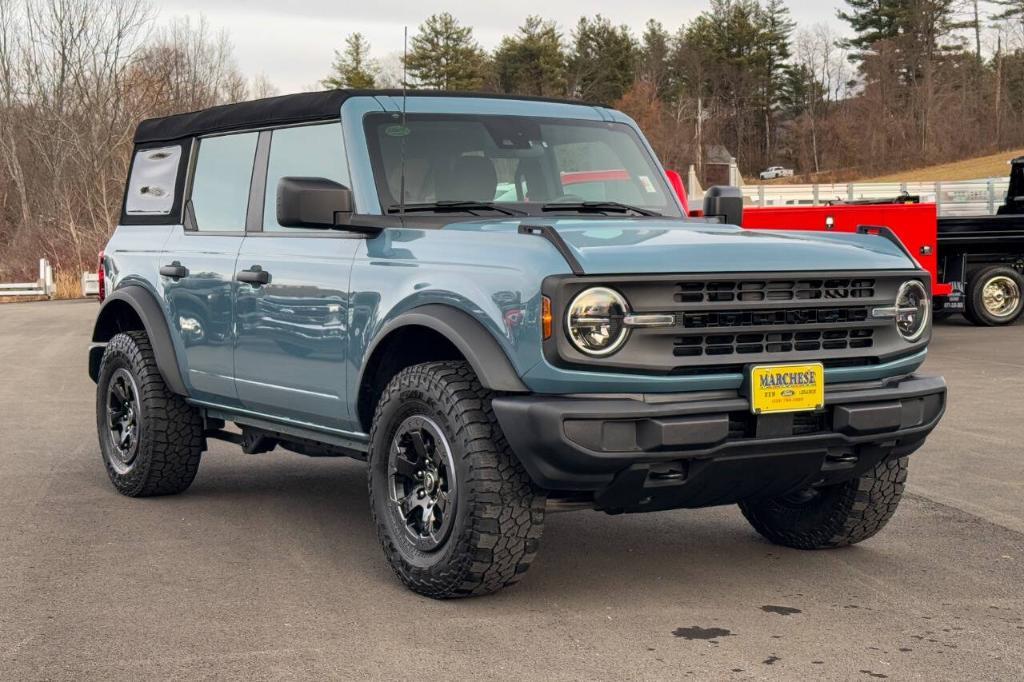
[[726, 202], [312, 203]]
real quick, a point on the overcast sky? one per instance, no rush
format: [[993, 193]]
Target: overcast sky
[[293, 43]]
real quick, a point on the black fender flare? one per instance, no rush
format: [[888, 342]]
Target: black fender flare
[[154, 321], [468, 335]]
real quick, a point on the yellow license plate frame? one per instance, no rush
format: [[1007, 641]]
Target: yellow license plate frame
[[795, 387]]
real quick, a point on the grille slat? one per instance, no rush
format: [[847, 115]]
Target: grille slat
[[765, 318], [775, 343], [719, 291]]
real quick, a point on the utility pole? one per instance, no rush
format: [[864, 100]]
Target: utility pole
[[700, 137], [999, 88], [977, 30]]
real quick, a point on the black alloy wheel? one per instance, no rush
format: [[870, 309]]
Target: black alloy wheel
[[421, 476], [123, 419]]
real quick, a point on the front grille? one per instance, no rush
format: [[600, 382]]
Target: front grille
[[753, 291], [725, 323], [771, 342]]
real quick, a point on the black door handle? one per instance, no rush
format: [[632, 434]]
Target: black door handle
[[175, 270], [254, 276]]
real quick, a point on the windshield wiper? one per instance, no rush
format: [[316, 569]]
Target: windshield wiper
[[455, 205], [596, 207]]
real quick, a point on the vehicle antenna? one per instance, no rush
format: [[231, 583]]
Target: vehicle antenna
[[405, 98]]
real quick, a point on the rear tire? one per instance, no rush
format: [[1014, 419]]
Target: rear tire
[[150, 438], [834, 516], [455, 512], [994, 296]]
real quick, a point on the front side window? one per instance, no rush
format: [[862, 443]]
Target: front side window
[[220, 184], [314, 151], [522, 163]]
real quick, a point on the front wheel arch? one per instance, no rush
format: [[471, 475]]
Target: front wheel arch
[[428, 333]]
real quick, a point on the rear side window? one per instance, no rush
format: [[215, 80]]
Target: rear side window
[[151, 188], [315, 151], [220, 184]]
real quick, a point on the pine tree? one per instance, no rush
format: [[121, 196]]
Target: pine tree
[[872, 21], [776, 27], [352, 68], [655, 51], [445, 56], [1013, 10], [602, 64], [532, 62]]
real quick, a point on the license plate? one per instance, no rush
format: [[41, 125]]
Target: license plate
[[787, 388]]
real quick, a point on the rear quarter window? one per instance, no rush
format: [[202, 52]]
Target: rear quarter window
[[153, 184]]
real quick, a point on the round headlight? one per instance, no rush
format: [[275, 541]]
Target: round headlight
[[913, 308], [594, 321]]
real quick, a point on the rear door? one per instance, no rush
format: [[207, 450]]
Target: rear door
[[290, 357], [198, 265]]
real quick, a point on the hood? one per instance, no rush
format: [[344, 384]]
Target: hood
[[631, 245]]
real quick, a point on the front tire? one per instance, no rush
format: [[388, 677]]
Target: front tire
[[994, 296], [454, 510], [832, 516], [150, 438]]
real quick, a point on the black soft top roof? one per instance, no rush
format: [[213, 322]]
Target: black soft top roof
[[285, 109]]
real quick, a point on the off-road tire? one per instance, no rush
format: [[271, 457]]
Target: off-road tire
[[839, 515], [170, 431], [499, 515], [975, 310]]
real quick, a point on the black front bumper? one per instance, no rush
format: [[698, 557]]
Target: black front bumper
[[646, 452]]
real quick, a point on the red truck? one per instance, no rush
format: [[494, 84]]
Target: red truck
[[976, 262]]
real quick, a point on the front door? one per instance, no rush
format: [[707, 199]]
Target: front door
[[292, 320], [198, 264]]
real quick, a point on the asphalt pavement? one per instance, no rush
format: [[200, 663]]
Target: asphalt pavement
[[268, 567]]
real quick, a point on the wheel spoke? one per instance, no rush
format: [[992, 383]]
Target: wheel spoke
[[410, 502], [441, 505], [419, 445], [119, 390], [405, 467]]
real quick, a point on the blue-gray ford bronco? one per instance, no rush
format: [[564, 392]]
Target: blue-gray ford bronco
[[501, 306]]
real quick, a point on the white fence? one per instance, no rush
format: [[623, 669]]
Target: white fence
[[43, 286], [966, 197]]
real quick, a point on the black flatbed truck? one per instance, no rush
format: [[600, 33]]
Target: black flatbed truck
[[982, 257]]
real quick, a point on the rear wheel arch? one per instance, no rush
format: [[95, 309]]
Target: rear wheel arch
[[135, 308], [431, 333]]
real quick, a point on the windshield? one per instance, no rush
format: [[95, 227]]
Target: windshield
[[532, 165]]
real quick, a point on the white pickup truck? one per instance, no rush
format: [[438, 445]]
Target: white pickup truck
[[776, 172]]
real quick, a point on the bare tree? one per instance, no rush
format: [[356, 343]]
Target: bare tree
[[76, 76]]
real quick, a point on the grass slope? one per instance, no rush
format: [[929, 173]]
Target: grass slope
[[992, 166]]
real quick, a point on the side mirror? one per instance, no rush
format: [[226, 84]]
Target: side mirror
[[312, 203], [726, 202]]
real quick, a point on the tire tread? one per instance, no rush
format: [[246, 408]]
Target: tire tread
[[171, 440]]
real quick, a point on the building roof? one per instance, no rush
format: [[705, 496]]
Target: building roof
[[283, 110]]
